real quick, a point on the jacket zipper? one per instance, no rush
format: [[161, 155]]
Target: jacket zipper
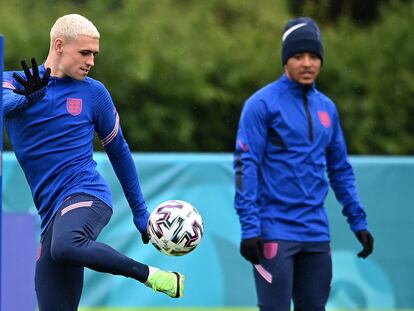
[[308, 115]]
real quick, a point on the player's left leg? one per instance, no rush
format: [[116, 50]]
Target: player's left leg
[[312, 277], [58, 287]]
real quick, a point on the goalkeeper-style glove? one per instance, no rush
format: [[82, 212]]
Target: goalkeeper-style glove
[[252, 249], [34, 86], [367, 242]]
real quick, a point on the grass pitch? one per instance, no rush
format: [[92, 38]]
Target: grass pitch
[[168, 309]]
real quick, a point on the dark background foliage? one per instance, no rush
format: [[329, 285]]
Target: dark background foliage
[[179, 71]]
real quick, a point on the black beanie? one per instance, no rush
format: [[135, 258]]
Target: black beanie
[[301, 35]]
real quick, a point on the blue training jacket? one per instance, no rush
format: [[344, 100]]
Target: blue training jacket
[[289, 137], [53, 142]]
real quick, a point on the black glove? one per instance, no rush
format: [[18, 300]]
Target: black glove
[[252, 249], [367, 242], [33, 83], [141, 217], [145, 237]]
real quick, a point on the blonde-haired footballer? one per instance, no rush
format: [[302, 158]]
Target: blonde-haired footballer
[[51, 114]]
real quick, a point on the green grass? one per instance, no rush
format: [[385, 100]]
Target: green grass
[[168, 309], [210, 309], [165, 309]]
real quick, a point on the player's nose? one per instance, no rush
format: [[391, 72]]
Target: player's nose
[[90, 61]]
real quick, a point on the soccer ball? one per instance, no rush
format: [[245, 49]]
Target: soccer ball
[[175, 227]]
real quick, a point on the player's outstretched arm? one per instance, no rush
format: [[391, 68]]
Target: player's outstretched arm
[[108, 127]]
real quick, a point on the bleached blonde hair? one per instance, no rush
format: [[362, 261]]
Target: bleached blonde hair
[[72, 25]]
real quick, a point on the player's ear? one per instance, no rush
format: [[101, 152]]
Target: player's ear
[[58, 45], [286, 71]]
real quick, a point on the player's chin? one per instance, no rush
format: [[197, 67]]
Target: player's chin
[[81, 74], [80, 77], [306, 81]]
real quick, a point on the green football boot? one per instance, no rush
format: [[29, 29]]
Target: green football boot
[[169, 283]]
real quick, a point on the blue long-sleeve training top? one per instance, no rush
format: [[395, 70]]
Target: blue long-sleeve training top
[[53, 142], [289, 139]]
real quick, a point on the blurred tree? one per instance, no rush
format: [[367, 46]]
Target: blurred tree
[[179, 71], [362, 12], [189, 67], [370, 74]]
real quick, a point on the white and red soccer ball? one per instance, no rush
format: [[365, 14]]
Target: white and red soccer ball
[[175, 227]]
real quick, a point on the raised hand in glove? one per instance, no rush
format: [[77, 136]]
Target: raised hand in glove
[[252, 249], [33, 82], [367, 242]]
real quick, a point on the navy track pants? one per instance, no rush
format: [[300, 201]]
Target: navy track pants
[[68, 245], [288, 271]]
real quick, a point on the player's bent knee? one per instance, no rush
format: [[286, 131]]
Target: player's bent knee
[[66, 250]]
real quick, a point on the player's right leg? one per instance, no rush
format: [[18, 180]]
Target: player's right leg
[[169, 283], [274, 276]]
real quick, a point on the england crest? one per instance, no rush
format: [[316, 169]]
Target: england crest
[[324, 118], [74, 106]]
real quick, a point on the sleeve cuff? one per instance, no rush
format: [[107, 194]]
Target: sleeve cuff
[[36, 96]]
